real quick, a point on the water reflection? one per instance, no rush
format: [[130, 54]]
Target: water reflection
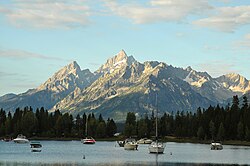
[[112, 164], [60, 153]]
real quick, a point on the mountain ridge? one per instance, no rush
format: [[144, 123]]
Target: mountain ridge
[[123, 84]]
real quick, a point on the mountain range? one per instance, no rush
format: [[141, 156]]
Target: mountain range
[[123, 84]]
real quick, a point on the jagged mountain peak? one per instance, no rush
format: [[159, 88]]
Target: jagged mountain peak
[[120, 60], [66, 78], [237, 78], [189, 68], [196, 79], [234, 76], [121, 54], [235, 82], [73, 65]]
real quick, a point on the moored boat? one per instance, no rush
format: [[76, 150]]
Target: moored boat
[[144, 141], [156, 146], [130, 144], [121, 143], [35, 147], [7, 139], [88, 140], [216, 146], [21, 139]]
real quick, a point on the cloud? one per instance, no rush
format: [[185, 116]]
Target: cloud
[[21, 54], [158, 10], [217, 68], [226, 19], [47, 13]]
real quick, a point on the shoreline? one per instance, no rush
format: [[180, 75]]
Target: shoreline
[[196, 141], [166, 139]]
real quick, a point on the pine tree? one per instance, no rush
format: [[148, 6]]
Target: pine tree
[[221, 132]]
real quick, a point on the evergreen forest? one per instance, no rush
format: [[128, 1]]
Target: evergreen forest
[[213, 123]]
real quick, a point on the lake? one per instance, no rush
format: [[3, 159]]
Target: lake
[[104, 153]]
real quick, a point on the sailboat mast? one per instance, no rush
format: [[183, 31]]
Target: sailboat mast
[[156, 123], [86, 127]]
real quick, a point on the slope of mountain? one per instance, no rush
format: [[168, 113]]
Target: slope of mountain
[[235, 82], [62, 83], [133, 88], [123, 84], [217, 89]]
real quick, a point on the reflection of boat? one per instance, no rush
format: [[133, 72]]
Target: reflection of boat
[[144, 141], [130, 144], [88, 140], [35, 147], [21, 139], [156, 147], [216, 146]]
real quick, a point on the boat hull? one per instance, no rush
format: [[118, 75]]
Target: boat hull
[[21, 141], [129, 146], [88, 141], [216, 146], [158, 150], [144, 141], [156, 147]]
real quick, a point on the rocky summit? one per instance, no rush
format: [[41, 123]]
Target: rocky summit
[[124, 85]]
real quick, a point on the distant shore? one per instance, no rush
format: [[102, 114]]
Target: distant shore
[[195, 140], [166, 139]]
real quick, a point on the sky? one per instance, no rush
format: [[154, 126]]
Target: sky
[[38, 37]]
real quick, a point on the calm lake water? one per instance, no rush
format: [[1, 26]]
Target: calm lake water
[[109, 153]]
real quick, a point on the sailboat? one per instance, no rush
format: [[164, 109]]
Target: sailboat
[[87, 140], [156, 146]]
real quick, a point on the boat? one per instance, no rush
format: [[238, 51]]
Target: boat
[[21, 139], [144, 141], [156, 146], [87, 139], [35, 147], [130, 144], [216, 146], [7, 139], [121, 143]]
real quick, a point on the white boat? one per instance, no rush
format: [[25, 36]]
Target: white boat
[[21, 139], [35, 147], [130, 144], [144, 141], [156, 146], [87, 140], [216, 146]]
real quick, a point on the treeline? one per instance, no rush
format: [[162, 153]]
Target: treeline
[[43, 124], [216, 123]]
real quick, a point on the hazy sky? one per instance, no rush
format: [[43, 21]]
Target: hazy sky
[[38, 37]]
